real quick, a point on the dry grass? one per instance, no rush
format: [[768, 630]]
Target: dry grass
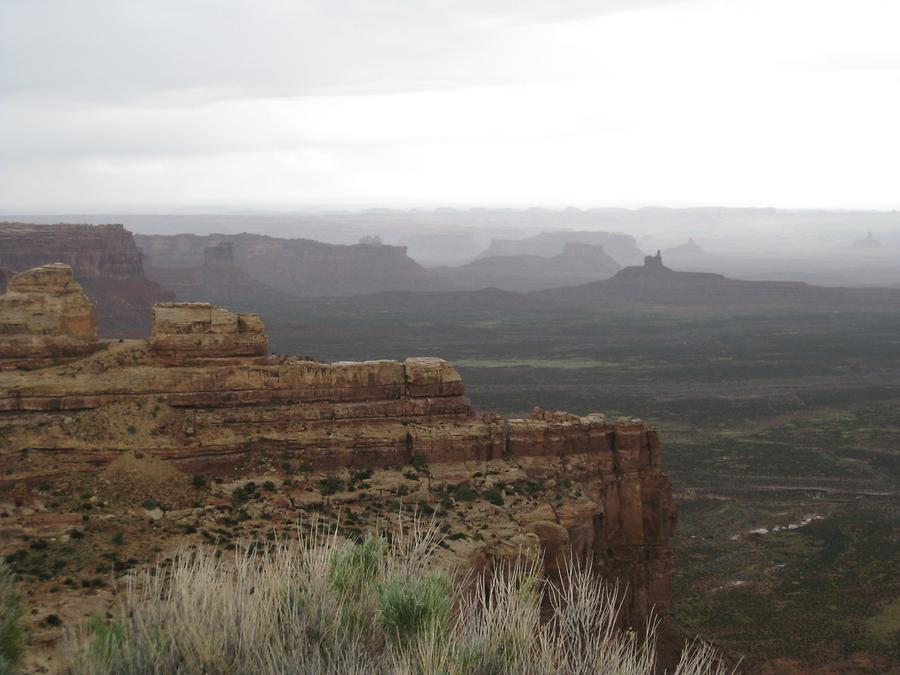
[[323, 605]]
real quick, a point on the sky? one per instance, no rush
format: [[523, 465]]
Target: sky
[[212, 105]]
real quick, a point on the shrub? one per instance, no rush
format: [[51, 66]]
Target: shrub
[[12, 637], [330, 484], [494, 496], [464, 493], [419, 462], [362, 474]]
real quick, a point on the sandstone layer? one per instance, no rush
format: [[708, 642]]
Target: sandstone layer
[[203, 394], [45, 318]]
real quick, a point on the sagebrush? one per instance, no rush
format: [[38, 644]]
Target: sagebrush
[[320, 604]]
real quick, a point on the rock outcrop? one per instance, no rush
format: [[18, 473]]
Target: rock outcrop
[[183, 331], [104, 260], [45, 318], [203, 394]]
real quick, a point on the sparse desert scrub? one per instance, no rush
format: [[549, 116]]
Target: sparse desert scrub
[[320, 604], [12, 638]]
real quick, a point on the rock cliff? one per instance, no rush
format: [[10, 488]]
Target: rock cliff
[[104, 260], [203, 394]]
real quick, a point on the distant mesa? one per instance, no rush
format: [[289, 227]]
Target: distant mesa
[[577, 263], [689, 248], [620, 247], [868, 243]]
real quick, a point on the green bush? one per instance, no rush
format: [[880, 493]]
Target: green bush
[[420, 462], [407, 607], [330, 484], [494, 496], [464, 493], [12, 637]]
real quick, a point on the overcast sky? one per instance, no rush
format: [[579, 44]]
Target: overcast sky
[[277, 104]]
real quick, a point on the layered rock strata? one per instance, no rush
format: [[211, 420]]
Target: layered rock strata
[[45, 318], [203, 393], [183, 331]]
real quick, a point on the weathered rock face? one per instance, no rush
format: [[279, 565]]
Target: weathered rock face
[[202, 393], [45, 317], [104, 260]]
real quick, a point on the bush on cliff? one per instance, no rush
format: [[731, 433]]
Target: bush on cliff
[[12, 637], [323, 605]]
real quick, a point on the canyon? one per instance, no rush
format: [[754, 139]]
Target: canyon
[[202, 396]]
